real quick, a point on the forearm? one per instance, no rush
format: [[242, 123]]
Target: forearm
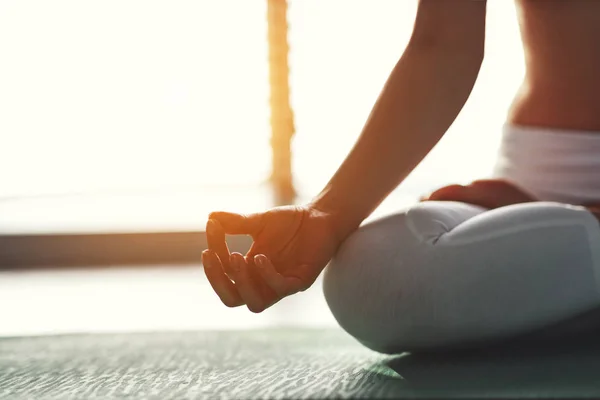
[[423, 95]]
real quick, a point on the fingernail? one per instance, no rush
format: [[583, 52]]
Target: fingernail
[[259, 260]]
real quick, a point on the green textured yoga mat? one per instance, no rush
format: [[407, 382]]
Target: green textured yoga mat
[[281, 363]]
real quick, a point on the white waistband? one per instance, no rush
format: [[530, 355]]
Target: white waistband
[[554, 165]]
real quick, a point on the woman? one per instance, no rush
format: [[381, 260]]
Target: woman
[[499, 257]]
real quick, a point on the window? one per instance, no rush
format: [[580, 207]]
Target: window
[[162, 98]]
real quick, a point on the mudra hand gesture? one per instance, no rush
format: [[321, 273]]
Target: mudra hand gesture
[[291, 246]]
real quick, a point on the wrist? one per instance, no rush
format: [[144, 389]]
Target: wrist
[[341, 221]]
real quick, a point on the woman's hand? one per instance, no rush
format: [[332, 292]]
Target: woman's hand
[[492, 193], [594, 208], [487, 193], [292, 245]]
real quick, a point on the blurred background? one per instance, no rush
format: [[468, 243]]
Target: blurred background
[[123, 123]]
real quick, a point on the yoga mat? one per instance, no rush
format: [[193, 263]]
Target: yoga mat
[[282, 363]]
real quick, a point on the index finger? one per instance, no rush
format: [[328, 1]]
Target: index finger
[[238, 224], [215, 236], [220, 283]]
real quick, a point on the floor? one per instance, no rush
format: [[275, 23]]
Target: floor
[[177, 303], [178, 362]]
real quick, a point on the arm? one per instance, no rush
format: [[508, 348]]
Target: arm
[[423, 95]]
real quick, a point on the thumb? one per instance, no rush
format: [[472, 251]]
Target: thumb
[[238, 224]]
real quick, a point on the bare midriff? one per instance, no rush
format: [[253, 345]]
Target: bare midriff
[[561, 89]]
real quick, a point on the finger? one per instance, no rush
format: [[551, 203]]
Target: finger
[[592, 207], [282, 285], [448, 193], [484, 196], [238, 224], [253, 251], [308, 274], [595, 212], [215, 237], [220, 283], [248, 288], [478, 196], [501, 192]]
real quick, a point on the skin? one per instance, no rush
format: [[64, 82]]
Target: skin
[[560, 40], [433, 77], [491, 193]]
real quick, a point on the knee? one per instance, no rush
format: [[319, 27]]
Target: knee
[[349, 287], [378, 286], [365, 288]]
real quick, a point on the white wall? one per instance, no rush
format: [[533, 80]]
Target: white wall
[[112, 94]]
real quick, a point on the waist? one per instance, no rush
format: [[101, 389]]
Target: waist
[[553, 164], [566, 104]]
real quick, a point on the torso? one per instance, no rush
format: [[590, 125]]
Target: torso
[[561, 89]]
